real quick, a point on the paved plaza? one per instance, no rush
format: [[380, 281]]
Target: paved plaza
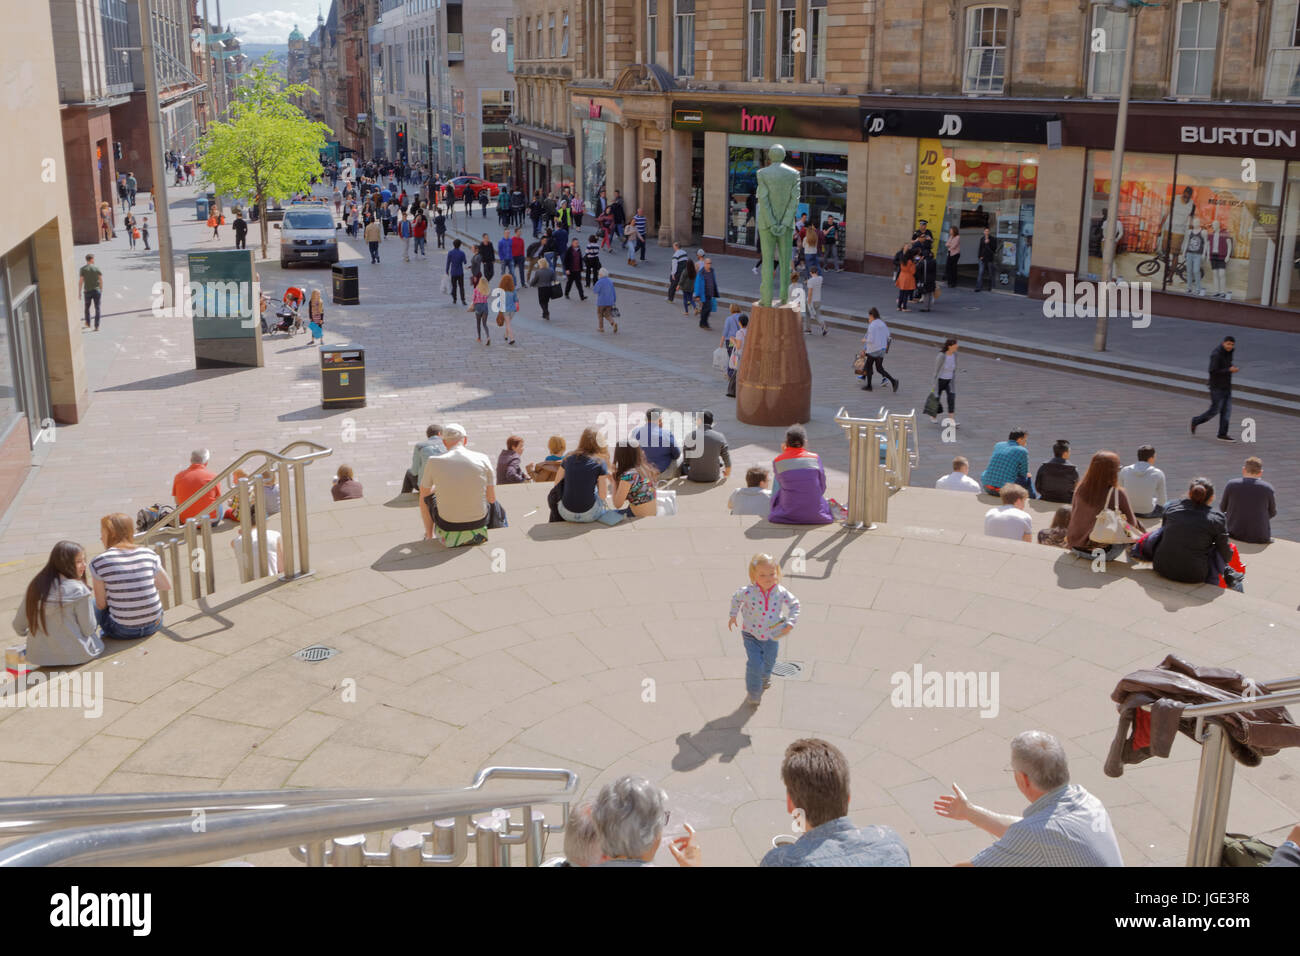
[[545, 663]]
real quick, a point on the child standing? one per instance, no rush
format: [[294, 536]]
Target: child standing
[[316, 317], [737, 350], [769, 613]]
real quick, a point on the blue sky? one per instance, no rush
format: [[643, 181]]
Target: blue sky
[[268, 21]]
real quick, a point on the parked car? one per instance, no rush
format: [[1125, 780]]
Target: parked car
[[476, 185], [308, 234]]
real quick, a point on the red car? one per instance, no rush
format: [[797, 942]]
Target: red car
[[476, 187]]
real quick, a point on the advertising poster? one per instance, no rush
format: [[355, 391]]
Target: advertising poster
[[224, 296], [931, 190]]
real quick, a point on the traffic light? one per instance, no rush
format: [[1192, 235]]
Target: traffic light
[[117, 150]]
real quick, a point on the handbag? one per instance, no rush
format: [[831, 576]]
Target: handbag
[[1110, 526], [615, 313], [501, 318], [860, 364], [932, 406]]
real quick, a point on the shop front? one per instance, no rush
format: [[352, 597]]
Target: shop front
[[974, 171], [1209, 210], [546, 160], [598, 121], [818, 142]]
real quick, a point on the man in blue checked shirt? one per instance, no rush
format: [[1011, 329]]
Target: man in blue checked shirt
[[1064, 825], [1009, 464]]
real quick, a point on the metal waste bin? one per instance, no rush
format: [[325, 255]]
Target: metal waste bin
[[201, 209], [213, 204], [342, 376], [347, 285]]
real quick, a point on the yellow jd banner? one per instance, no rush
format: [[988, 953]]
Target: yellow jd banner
[[931, 190]]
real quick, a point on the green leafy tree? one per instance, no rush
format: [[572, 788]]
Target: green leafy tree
[[268, 148]]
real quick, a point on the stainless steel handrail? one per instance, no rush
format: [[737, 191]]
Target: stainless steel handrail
[[1214, 778], [902, 453], [168, 535], [182, 841], [868, 492]]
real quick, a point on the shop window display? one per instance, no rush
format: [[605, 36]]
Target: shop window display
[[823, 188], [1189, 225], [993, 187], [593, 159]]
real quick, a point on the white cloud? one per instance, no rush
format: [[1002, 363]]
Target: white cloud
[[272, 26]]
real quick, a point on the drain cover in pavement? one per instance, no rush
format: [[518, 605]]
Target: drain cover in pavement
[[787, 669], [315, 653]]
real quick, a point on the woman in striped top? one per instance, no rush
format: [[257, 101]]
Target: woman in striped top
[[127, 580]]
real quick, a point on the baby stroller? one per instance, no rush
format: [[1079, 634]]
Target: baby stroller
[[287, 319]]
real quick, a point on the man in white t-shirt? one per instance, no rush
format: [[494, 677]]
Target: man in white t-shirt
[[1010, 520], [465, 482], [812, 311], [274, 553], [960, 479]]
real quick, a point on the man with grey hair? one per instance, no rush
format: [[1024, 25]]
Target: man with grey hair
[[630, 816], [465, 482], [189, 481], [1064, 825], [581, 838]]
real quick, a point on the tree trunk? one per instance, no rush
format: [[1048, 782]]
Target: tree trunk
[[261, 218]]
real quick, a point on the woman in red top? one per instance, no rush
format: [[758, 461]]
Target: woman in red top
[[419, 230]]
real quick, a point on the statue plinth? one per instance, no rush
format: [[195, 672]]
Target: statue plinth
[[774, 380]]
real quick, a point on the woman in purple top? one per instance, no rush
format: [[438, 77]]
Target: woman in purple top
[[799, 483]]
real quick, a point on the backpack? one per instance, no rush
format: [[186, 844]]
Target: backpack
[[1242, 850], [146, 518]]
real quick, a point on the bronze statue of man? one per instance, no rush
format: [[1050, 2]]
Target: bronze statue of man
[[778, 199]]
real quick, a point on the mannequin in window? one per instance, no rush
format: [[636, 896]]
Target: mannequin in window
[[1220, 252], [1194, 246], [1178, 217]]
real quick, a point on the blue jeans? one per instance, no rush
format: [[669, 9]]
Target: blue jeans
[[120, 631], [598, 512], [760, 658], [812, 261], [1221, 402], [986, 268]]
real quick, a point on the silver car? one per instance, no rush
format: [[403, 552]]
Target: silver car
[[308, 234]]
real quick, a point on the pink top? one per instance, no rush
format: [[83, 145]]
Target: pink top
[[954, 245]]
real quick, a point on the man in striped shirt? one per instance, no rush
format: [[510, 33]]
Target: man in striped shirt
[[676, 268], [1064, 825], [638, 222]]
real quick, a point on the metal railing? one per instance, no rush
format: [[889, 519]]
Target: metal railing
[[318, 827], [870, 480], [169, 535], [1214, 779]]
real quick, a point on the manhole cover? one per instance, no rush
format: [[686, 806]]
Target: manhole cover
[[317, 652], [787, 669]]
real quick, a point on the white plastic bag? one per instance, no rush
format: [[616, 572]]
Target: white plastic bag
[[665, 503], [720, 359], [445, 285]]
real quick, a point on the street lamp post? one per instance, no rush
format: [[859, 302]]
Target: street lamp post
[[1131, 7], [153, 113]]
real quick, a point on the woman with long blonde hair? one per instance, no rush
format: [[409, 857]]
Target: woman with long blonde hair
[[126, 580]]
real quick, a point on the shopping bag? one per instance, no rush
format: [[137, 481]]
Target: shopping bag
[[932, 406], [720, 359], [445, 285], [665, 503]]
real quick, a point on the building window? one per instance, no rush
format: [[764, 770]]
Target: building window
[[1106, 69], [564, 36], [510, 44], [651, 30], [788, 16], [539, 38], [550, 49], [986, 50], [684, 37], [1196, 39], [528, 38], [1282, 79], [757, 37], [817, 23]]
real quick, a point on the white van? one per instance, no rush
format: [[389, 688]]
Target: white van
[[308, 234]]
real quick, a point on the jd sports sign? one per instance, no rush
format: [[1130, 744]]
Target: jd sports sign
[[937, 124]]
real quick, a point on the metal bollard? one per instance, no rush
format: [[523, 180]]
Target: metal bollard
[[535, 845], [487, 844], [1213, 791], [405, 848], [444, 837], [348, 850]]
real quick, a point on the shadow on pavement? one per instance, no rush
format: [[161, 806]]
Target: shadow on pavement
[[721, 736]]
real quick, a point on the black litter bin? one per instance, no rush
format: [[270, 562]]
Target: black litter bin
[[347, 285], [342, 376]]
